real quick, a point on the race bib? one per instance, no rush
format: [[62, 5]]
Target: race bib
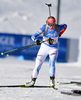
[[55, 40]]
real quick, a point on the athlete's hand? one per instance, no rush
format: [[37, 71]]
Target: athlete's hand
[[65, 26], [38, 42], [50, 41]]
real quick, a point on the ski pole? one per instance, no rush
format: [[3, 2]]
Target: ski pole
[[49, 5], [2, 53], [19, 49], [26, 47]]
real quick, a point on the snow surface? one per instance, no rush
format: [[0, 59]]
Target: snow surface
[[27, 16], [14, 72]]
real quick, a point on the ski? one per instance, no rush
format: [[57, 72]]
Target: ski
[[12, 86], [24, 86], [72, 82], [76, 91], [72, 92]]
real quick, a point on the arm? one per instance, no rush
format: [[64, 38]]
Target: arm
[[63, 29], [35, 37], [38, 33]]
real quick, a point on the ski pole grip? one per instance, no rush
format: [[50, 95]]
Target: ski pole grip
[[49, 5]]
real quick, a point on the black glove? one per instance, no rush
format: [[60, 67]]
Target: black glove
[[50, 41], [59, 35], [38, 42]]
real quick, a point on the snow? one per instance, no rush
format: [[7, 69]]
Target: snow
[[15, 72], [27, 16]]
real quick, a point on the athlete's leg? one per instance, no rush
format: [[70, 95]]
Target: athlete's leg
[[39, 61], [53, 56], [43, 52]]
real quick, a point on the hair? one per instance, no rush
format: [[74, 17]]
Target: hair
[[51, 17]]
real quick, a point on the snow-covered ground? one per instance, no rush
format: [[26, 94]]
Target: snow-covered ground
[[27, 16], [14, 72]]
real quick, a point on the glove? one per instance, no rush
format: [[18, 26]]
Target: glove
[[38, 42], [65, 26], [50, 41], [59, 35]]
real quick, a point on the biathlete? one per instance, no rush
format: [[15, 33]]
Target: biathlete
[[51, 32]]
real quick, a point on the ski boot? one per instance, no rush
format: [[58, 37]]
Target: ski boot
[[52, 82], [31, 83]]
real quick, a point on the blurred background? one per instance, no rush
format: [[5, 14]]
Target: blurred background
[[19, 19]]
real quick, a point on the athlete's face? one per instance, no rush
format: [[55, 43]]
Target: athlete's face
[[51, 26]]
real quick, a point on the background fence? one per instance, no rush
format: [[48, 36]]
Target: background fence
[[13, 41]]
